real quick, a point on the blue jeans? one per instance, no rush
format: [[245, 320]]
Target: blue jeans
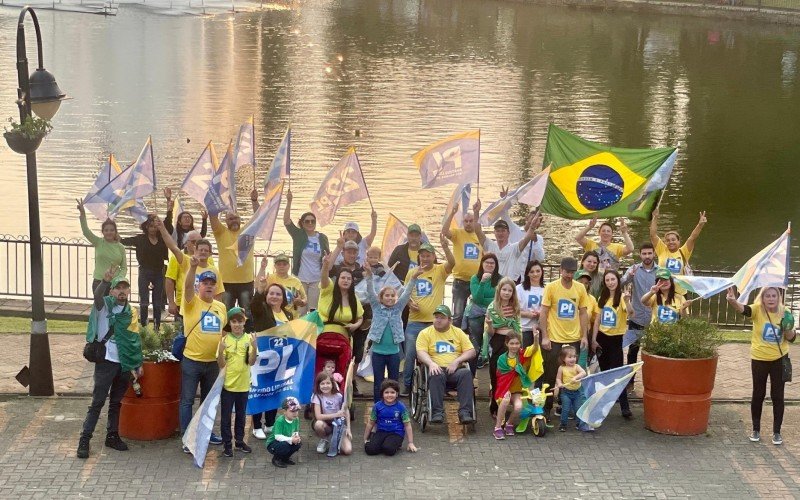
[[380, 362], [571, 400], [193, 373], [475, 329], [412, 332], [460, 295], [283, 450], [149, 277]]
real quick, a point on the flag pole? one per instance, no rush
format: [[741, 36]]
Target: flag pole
[[478, 193], [253, 119], [289, 154], [155, 184], [371, 206]]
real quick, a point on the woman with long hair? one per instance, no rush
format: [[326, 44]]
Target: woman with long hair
[[590, 263], [184, 223], [502, 317], [666, 304], [529, 293], [109, 253], [482, 287], [610, 253]]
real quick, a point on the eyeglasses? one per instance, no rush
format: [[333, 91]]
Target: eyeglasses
[[310, 221]]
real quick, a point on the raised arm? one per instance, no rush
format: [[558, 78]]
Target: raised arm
[[327, 262], [173, 247], [287, 212], [216, 225], [731, 298], [476, 212], [103, 287], [188, 284], [696, 231], [204, 225], [451, 260], [581, 237], [262, 270], [373, 229], [531, 225], [409, 288], [448, 218], [254, 199], [623, 228], [654, 239], [168, 216], [93, 238]]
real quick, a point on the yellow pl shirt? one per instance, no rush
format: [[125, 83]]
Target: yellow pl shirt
[[294, 289], [237, 369], [467, 251], [666, 313], [443, 347], [428, 293], [342, 315], [177, 272], [675, 262], [563, 319], [616, 249], [203, 324], [614, 320], [229, 266], [764, 340], [592, 309]]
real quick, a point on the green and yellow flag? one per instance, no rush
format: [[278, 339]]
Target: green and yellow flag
[[589, 179]]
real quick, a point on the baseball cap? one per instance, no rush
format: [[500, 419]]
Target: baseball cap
[[207, 275], [501, 223], [427, 247], [281, 257], [291, 403], [350, 245], [414, 228], [663, 273], [443, 309], [120, 279], [569, 264], [581, 273], [234, 311], [351, 225]]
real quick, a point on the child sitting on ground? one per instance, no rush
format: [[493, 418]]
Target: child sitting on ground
[[330, 411], [512, 377], [284, 440], [393, 422], [237, 352], [568, 386]]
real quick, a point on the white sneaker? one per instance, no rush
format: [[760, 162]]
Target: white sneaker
[[322, 446], [267, 430], [259, 434]]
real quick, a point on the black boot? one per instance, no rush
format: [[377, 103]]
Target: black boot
[[113, 441], [83, 447]]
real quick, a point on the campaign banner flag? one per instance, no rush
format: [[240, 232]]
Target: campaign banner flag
[[768, 268], [589, 179], [602, 390], [261, 225], [284, 366], [244, 152], [227, 179], [281, 164], [140, 179], [454, 160], [396, 233], [108, 172], [198, 179], [343, 185], [198, 433], [530, 193], [461, 196]]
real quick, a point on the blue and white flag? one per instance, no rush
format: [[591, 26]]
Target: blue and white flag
[[461, 196], [198, 179], [108, 172], [140, 181], [227, 178], [530, 193], [343, 185], [198, 433], [281, 164], [284, 367], [602, 390], [244, 152], [261, 225], [454, 160]]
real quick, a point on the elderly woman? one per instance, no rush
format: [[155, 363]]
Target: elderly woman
[[609, 252], [773, 329]]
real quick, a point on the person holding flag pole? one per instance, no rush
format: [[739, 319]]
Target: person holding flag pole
[[467, 252], [308, 248]]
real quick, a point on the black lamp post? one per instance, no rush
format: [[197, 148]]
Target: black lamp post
[[38, 93]]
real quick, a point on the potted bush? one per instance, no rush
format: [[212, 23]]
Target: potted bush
[[24, 138], [680, 363], [154, 415]]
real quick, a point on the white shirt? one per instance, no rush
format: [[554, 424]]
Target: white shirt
[[112, 354], [512, 260], [310, 266], [529, 300]]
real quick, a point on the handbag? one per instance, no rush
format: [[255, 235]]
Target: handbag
[[687, 270], [786, 362], [95, 351], [179, 342]]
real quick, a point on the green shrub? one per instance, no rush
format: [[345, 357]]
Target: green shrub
[[31, 128], [156, 345], [689, 338]]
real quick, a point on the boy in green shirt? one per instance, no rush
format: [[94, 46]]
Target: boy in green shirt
[[285, 440]]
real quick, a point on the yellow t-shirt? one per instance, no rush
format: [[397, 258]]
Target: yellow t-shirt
[[567, 376], [203, 324], [617, 249], [342, 315], [443, 347], [592, 309], [614, 320], [294, 288], [280, 318], [606, 261], [413, 258], [763, 342], [177, 272], [428, 293], [237, 369], [666, 313], [467, 251], [673, 261], [229, 266], [563, 318]]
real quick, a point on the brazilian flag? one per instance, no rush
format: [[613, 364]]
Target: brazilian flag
[[588, 179]]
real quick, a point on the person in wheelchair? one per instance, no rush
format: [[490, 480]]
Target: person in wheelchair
[[444, 349]]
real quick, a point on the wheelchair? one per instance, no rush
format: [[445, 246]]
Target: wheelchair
[[421, 407]]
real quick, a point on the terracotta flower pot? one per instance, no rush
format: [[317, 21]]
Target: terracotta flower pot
[[21, 144], [677, 394], [155, 414]]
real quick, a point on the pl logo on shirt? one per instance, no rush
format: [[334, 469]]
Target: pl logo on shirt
[[424, 288], [674, 265], [770, 334], [471, 251], [566, 309], [667, 315], [442, 347], [209, 322], [608, 317], [313, 247], [534, 301]]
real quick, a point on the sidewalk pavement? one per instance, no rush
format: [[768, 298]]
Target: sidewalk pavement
[[72, 375]]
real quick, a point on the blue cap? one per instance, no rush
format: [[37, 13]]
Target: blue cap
[[207, 275]]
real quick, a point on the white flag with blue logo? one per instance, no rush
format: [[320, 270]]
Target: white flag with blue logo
[[261, 225], [602, 390], [244, 152], [198, 433], [108, 172], [198, 179], [454, 160], [136, 181], [343, 185], [281, 164], [461, 196], [227, 179], [530, 193]]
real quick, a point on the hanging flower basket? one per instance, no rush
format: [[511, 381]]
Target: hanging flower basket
[[22, 144], [24, 138]]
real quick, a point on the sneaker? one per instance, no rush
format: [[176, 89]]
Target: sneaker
[[509, 430], [186, 450], [627, 414], [215, 440], [777, 440], [83, 447], [562, 428], [498, 433], [277, 462], [259, 433], [289, 461], [557, 411], [114, 442], [755, 436], [228, 451], [437, 418], [481, 363], [242, 446], [322, 446], [465, 418]]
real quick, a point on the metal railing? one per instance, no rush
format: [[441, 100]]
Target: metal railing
[[68, 267]]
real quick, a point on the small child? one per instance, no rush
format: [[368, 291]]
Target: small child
[[502, 317], [330, 411], [512, 377], [393, 422], [284, 440], [568, 386], [237, 352], [374, 263], [330, 368]]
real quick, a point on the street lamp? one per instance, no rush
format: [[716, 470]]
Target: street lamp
[[37, 93]]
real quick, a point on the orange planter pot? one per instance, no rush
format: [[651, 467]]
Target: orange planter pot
[[677, 394], [155, 414]]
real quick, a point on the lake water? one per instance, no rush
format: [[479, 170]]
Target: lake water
[[408, 72]]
